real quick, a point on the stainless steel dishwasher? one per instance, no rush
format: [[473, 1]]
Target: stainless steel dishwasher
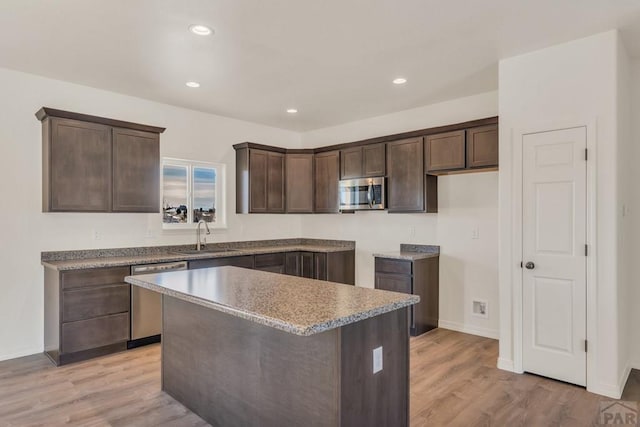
[[146, 305]]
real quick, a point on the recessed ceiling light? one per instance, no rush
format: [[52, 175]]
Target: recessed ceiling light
[[193, 84], [399, 81], [201, 30], [292, 110]]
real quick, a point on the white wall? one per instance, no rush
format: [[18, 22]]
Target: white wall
[[468, 267], [624, 217], [634, 294], [569, 84], [27, 231]]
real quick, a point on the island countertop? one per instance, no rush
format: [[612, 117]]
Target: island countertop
[[292, 304]]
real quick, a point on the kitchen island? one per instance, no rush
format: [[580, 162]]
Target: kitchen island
[[245, 347]]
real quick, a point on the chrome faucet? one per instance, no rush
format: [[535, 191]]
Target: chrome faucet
[[201, 242]]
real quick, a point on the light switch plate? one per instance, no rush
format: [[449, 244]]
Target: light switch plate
[[377, 360]]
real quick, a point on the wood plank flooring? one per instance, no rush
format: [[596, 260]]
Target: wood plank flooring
[[454, 382]]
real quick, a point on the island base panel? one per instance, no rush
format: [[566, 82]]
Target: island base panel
[[232, 371]]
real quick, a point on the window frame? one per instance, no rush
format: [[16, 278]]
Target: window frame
[[220, 189]]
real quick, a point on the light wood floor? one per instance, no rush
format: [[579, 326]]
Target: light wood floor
[[454, 382]]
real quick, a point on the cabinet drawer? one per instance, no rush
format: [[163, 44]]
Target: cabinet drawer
[[93, 333], [387, 265], [394, 282], [269, 260], [86, 303], [94, 277]]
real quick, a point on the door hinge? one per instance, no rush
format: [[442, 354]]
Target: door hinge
[[586, 345], [586, 250], [586, 154]]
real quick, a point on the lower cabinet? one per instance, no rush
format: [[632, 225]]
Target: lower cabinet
[[274, 263], [245, 261], [86, 313], [418, 277], [338, 267]]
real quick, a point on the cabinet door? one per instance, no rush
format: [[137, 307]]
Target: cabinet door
[[76, 167], [351, 163], [275, 183], [406, 178], [374, 160], [306, 265], [258, 177], [445, 151], [136, 171], [292, 264], [299, 192], [327, 170], [482, 146], [320, 266]]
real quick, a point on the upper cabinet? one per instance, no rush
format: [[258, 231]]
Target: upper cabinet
[[408, 188], [136, 175], [462, 150], [445, 151], [260, 180], [482, 147], [299, 191], [327, 175], [363, 161], [94, 164]]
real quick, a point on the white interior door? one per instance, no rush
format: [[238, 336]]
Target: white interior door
[[554, 239]]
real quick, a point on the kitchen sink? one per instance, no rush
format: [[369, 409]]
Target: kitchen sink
[[205, 251]]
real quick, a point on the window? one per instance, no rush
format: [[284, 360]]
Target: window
[[192, 191]]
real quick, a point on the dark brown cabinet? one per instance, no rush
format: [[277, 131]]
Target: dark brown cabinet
[[408, 188], [299, 175], [300, 264], [338, 267], [245, 261], [473, 148], [94, 164], [445, 152], [76, 166], [482, 147], [274, 263], [86, 313], [363, 161], [327, 175], [260, 180], [419, 277], [136, 174]]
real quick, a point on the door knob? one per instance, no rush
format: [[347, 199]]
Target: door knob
[[530, 265]]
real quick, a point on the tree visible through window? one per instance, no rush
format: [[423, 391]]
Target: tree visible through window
[[192, 191]]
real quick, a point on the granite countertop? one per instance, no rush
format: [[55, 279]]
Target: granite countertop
[[411, 252], [292, 304], [98, 258]]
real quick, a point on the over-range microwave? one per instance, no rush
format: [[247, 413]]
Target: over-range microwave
[[362, 193]]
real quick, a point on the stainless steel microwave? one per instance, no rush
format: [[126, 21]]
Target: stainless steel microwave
[[362, 193]]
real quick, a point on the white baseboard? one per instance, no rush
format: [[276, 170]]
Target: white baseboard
[[469, 329], [506, 364], [20, 354], [613, 391]]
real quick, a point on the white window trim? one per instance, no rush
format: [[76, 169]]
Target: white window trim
[[221, 196]]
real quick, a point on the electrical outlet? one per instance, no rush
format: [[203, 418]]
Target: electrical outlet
[[377, 360], [412, 231], [96, 235], [480, 308], [475, 232], [150, 233]]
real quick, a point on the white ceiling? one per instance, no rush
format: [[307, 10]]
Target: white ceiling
[[333, 60]]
